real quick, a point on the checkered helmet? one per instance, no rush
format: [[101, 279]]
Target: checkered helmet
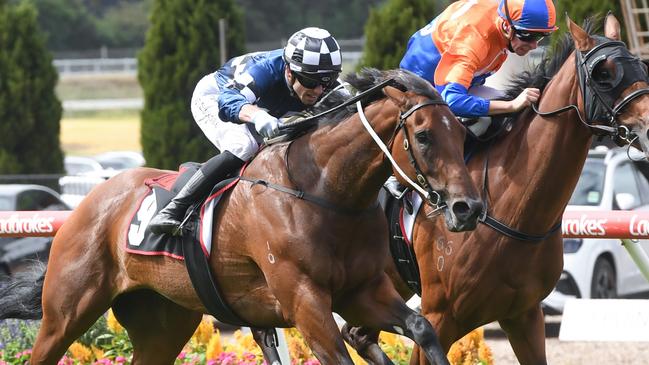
[[312, 51]]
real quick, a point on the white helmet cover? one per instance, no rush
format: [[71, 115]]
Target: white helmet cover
[[313, 50]]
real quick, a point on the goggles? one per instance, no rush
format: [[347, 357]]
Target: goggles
[[524, 35], [527, 36], [326, 80]]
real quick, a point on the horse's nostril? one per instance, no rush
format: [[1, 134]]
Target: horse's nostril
[[467, 209], [461, 209]]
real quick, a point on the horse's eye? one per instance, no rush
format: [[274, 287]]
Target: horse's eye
[[422, 137], [602, 73]]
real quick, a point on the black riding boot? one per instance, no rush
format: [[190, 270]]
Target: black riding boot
[[217, 168]]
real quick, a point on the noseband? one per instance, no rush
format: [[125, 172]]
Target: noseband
[[422, 185], [599, 98]]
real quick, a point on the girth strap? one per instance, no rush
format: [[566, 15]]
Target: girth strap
[[300, 194], [198, 267]]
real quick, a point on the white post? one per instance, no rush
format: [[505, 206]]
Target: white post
[[222, 46], [282, 347], [638, 255]]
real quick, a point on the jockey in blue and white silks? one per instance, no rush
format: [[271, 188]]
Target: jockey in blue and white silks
[[470, 41], [247, 94]]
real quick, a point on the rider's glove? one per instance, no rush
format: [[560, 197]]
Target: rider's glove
[[266, 124]]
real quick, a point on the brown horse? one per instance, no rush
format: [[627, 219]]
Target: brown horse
[[470, 279], [325, 257]]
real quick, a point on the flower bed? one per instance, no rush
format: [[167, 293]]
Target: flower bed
[[106, 343]]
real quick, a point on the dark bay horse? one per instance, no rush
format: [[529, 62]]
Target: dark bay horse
[[474, 278], [279, 261]]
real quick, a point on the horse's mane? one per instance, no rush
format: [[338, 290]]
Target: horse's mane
[[550, 65], [361, 81]]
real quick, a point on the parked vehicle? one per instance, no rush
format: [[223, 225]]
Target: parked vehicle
[[15, 252], [601, 268], [120, 160], [78, 165], [84, 173]]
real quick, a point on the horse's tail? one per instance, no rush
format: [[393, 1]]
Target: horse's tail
[[20, 296]]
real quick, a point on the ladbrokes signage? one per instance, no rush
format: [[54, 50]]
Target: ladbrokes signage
[[16, 224], [611, 224], [584, 226]]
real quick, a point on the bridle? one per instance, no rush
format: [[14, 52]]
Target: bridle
[[599, 99], [422, 185], [601, 110]]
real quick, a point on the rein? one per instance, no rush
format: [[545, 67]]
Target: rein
[[312, 121], [501, 227]]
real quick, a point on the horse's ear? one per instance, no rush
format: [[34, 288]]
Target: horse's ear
[[612, 27], [395, 94], [582, 40]]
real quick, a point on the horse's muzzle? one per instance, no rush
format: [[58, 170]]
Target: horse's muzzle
[[462, 214]]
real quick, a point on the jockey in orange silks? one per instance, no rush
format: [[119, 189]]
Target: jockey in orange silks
[[470, 41]]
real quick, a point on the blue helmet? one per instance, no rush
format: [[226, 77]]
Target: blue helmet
[[529, 15]]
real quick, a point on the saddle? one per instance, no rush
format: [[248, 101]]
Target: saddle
[[497, 126], [194, 246]]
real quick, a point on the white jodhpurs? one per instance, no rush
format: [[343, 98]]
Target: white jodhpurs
[[226, 136]]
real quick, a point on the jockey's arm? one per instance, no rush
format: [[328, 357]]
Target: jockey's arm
[[248, 111], [523, 100], [237, 99], [455, 74]]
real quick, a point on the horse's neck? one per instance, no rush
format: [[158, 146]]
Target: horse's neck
[[346, 165], [534, 170]]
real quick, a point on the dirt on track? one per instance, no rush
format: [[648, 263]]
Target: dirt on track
[[570, 353]]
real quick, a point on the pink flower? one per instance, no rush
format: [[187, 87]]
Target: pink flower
[[65, 361], [182, 355], [120, 360]]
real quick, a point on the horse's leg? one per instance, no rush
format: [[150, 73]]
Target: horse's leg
[[380, 306], [366, 343], [158, 328], [308, 307], [77, 290], [270, 352], [447, 329], [526, 334]]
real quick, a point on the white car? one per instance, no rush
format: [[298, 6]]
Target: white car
[[120, 160], [84, 173], [602, 268], [15, 253]]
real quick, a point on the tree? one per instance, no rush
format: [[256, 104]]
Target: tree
[[578, 11], [276, 20], [182, 45], [123, 25], [30, 112], [389, 27], [67, 24]]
